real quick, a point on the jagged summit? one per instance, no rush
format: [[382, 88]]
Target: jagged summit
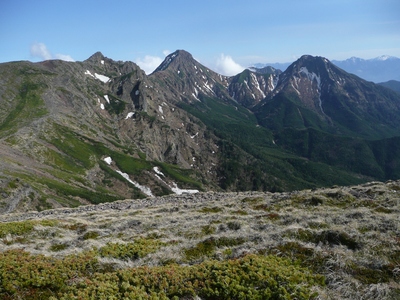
[[179, 56], [189, 79], [319, 71], [323, 96], [316, 64], [98, 56], [250, 87]]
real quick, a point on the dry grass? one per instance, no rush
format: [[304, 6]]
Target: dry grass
[[351, 235]]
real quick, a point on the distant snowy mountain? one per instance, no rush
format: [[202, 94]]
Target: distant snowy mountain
[[278, 66], [379, 69]]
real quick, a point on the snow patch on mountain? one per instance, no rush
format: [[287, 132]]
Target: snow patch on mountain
[[157, 170], [273, 82], [144, 189], [311, 76], [129, 115], [87, 72], [257, 84], [174, 186], [384, 57], [179, 191], [297, 91], [102, 78], [196, 94]]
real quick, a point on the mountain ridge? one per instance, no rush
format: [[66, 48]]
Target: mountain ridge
[[320, 80], [102, 130]]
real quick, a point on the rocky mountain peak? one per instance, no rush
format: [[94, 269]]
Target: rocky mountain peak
[[333, 97], [189, 79], [311, 72], [102, 65], [176, 58], [96, 57], [249, 88], [313, 64]]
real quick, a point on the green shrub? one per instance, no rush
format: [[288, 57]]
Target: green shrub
[[208, 247], [90, 235], [234, 225], [250, 277], [272, 216], [140, 248], [208, 229], [264, 207], [330, 237], [371, 274], [214, 209], [16, 228], [26, 276], [78, 227], [58, 247], [252, 200], [240, 212], [23, 227], [256, 277]]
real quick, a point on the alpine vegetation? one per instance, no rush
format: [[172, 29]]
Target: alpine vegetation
[[329, 243], [187, 184]]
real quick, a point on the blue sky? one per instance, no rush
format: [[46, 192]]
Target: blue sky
[[223, 35]]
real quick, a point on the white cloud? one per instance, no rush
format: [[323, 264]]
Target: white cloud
[[166, 52], [65, 57], [225, 65], [40, 50], [149, 63]]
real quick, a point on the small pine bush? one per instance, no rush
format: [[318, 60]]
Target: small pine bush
[[27, 276]]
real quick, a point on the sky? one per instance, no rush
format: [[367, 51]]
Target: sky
[[225, 36]]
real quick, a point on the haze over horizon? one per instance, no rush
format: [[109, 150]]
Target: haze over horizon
[[222, 35]]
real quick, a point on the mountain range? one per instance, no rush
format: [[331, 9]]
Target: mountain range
[[379, 69], [100, 130]]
